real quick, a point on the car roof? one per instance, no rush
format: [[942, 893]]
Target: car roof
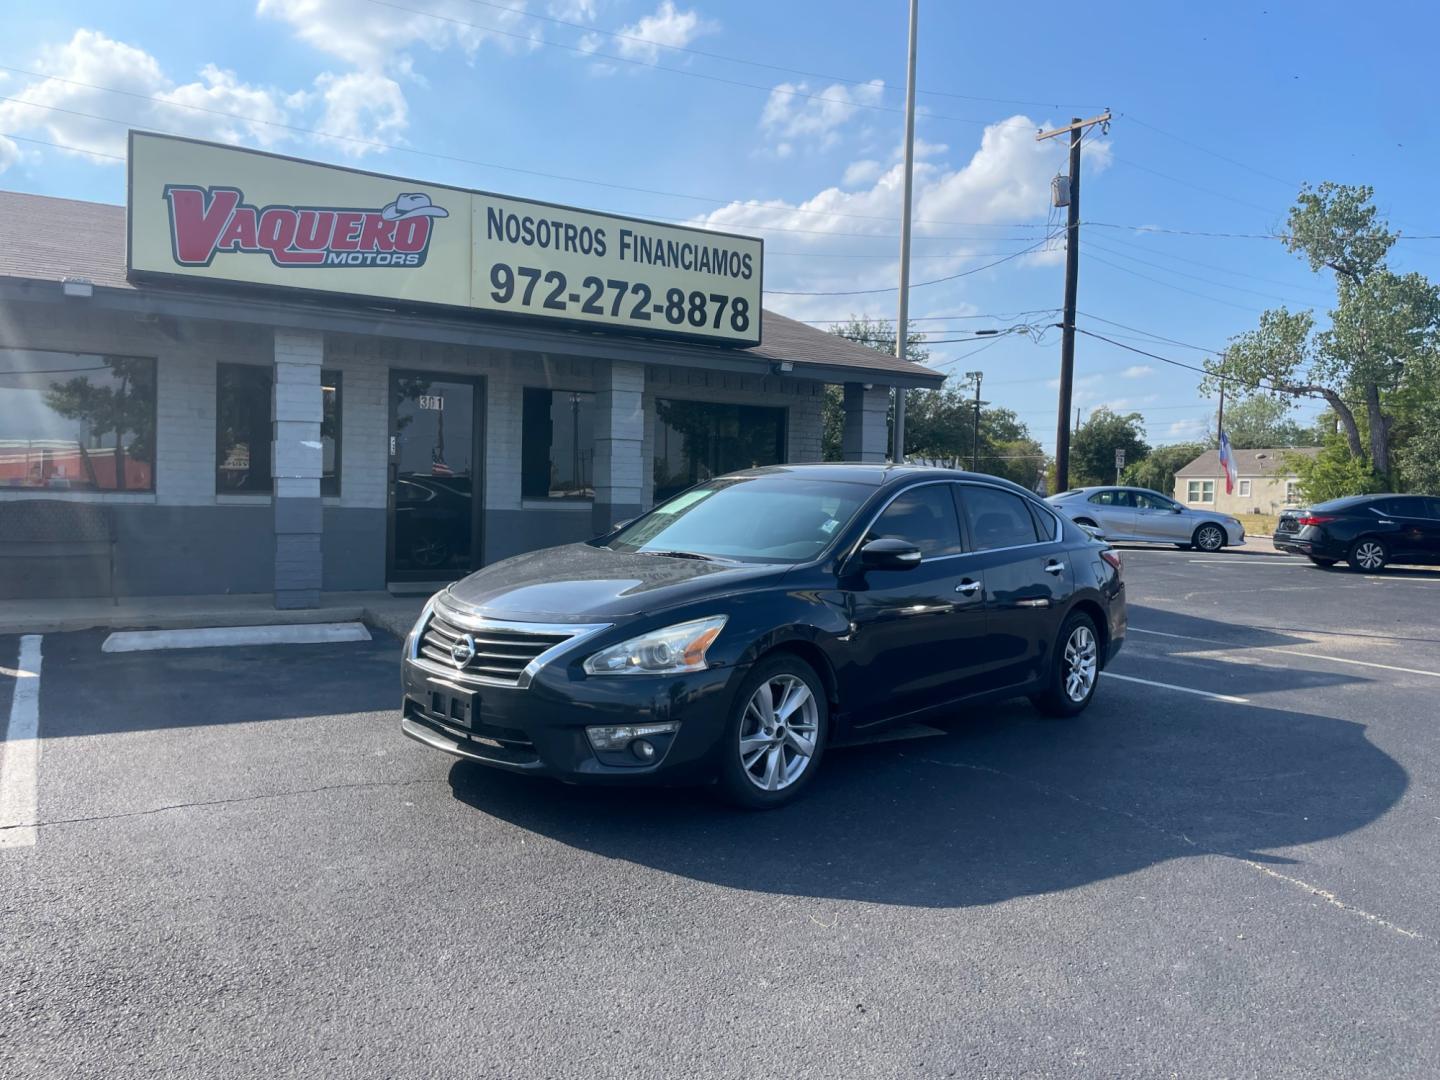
[[874, 474]]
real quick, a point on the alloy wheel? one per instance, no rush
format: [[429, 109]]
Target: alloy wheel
[[1081, 663], [1370, 555], [1210, 538], [778, 732]]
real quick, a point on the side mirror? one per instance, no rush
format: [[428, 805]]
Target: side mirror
[[1177, 509], [890, 554]]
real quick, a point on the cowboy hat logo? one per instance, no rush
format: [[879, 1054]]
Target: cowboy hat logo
[[412, 204]]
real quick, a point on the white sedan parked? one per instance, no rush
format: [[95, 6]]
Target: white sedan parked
[[1139, 514]]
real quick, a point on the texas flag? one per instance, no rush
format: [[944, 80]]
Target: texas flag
[[1227, 462]]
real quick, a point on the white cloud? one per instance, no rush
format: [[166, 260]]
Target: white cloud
[[862, 172], [374, 35], [795, 111], [1138, 371], [574, 10], [361, 106], [1006, 180], [9, 153], [643, 40], [151, 100], [1188, 430]]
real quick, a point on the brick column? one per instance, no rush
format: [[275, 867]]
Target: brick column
[[865, 436], [296, 465], [619, 436]]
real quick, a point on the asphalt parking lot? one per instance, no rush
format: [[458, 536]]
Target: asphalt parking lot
[[1227, 867]]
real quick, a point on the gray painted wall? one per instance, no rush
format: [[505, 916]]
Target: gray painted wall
[[353, 548]]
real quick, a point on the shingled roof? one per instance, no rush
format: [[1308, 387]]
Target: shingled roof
[[50, 239], [1268, 462]]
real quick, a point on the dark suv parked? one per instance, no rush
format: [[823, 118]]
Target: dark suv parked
[[1367, 531]]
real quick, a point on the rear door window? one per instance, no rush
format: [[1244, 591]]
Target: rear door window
[[997, 519]]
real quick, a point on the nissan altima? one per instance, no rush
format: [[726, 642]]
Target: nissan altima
[[735, 632]]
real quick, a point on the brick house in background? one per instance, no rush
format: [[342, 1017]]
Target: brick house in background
[[1265, 484]]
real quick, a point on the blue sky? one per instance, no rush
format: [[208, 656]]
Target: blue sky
[[1222, 109]]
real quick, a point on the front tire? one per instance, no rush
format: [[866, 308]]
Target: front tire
[[1074, 668], [1369, 555], [1209, 537], [779, 725]]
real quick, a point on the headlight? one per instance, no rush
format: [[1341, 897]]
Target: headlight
[[669, 651]]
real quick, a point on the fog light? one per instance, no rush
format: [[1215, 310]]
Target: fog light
[[643, 749], [620, 736]]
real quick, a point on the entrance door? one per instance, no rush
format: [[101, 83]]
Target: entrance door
[[435, 490]]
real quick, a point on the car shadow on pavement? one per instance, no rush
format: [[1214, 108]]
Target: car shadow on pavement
[[1008, 804]]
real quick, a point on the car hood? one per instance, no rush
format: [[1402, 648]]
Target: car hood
[[581, 583]]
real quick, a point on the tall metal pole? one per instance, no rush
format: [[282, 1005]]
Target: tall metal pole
[[975, 448], [1072, 285], [902, 319]]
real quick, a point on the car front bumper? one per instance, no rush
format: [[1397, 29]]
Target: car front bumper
[[540, 729]]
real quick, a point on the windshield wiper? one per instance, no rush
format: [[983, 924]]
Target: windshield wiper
[[677, 555]]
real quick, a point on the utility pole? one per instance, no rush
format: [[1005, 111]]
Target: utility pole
[[1220, 416], [975, 446], [1076, 129], [902, 320]]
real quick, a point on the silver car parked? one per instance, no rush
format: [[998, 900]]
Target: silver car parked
[[1139, 514]]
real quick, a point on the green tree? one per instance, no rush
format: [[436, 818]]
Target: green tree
[[1333, 473], [1093, 446], [1382, 328], [1264, 421], [118, 408], [1157, 470], [878, 334]]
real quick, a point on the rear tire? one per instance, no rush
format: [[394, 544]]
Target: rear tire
[[762, 760], [1074, 668], [1368, 555], [1209, 537], [1325, 563]]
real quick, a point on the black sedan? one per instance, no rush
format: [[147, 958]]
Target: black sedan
[[1368, 531], [737, 630]]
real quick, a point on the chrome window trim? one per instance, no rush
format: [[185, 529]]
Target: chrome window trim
[[1055, 539], [576, 633]]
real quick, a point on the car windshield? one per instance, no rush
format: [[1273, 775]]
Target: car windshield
[[780, 519]]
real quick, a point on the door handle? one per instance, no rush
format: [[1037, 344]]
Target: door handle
[[968, 587], [1054, 567]]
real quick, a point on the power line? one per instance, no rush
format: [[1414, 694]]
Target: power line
[[1177, 288], [1209, 266], [915, 285], [1190, 184], [60, 146], [1213, 153], [456, 158], [1197, 277], [649, 43], [1225, 235], [932, 318], [592, 54]]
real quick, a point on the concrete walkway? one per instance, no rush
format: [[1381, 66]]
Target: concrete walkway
[[395, 614]]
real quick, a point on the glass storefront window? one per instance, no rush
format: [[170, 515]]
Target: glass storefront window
[[695, 440], [557, 452], [244, 430], [76, 421]]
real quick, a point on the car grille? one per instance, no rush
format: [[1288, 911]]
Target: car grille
[[500, 654]]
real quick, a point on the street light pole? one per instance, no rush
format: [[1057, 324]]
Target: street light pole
[[902, 320], [975, 444]]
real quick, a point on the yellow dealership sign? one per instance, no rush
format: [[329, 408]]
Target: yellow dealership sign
[[213, 212]]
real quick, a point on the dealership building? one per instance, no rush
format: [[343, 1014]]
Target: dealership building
[[267, 375]]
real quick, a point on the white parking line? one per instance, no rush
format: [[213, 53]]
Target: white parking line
[[1290, 652], [215, 636], [20, 752], [1181, 689]]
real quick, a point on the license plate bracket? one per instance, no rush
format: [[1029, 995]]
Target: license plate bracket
[[451, 704]]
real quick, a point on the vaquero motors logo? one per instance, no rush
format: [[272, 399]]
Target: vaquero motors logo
[[205, 222]]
